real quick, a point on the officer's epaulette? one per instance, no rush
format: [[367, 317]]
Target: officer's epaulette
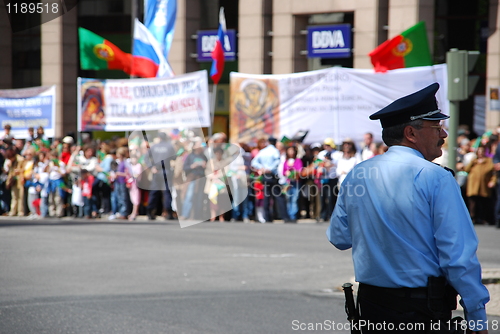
[[448, 169]]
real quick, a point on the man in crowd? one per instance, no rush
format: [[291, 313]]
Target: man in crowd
[[413, 242], [266, 164], [160, 156], [366, 151]]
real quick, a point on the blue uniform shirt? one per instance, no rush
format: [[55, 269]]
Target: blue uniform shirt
[[405, 220]]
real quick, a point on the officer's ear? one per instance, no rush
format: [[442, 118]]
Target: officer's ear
[[410, 134]]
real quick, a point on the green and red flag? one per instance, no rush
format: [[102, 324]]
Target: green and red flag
[[97, 53], [409, 49]]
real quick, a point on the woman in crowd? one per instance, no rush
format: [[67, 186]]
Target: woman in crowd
[[28, 175], [14, 167], [480, 183], [347, 160]]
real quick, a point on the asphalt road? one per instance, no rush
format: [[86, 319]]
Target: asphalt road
[[143, 277]]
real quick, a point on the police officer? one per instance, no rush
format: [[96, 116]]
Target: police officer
[[160, 155], [413, 243]]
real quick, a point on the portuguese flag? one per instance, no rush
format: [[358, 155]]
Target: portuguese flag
[[97, 53], [409, 49]]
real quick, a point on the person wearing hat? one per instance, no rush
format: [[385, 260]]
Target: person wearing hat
[[412, 239], [329, 147]]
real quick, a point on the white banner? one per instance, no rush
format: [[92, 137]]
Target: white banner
[[334, 102], [146, 104], [28, 107]]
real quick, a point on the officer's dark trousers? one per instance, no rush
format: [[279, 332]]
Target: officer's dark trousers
[[381, 312]]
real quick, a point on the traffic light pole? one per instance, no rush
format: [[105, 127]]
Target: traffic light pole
[[460, 87], [452, 134]]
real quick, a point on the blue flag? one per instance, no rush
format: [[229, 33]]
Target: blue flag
[[159, 18]]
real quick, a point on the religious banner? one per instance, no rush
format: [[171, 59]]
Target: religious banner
[[28, 107], [330, 103], [146, 104]]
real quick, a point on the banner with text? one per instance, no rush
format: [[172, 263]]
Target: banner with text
[[146, 104], [28, 107], [334, 102]]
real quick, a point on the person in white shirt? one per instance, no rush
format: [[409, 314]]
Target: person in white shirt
[[366, 151]]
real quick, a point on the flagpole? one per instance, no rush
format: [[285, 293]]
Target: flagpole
[[212, 110], [133, 16]]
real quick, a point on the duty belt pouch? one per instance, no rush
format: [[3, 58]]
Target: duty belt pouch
[[451, 297]]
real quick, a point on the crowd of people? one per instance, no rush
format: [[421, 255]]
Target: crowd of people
[[184, 175]]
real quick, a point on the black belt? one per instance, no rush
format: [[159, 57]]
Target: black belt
[[371, 291]]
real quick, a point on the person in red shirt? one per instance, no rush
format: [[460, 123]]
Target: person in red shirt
[[65, 153], [87, 180]]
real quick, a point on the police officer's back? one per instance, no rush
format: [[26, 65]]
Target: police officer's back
[[412, 239]]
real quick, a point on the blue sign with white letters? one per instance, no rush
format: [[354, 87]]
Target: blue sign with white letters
[[332, 41], [206, 43]]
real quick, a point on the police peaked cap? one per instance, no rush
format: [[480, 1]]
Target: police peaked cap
[[419, 105]]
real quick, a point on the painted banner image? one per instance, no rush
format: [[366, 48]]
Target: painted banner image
[[330, 103], [254, 108], [92, 105]]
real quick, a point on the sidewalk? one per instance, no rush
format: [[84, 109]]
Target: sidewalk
[[491, 279]]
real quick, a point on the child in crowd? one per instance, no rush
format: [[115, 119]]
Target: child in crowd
[[86, 182], [120, 187], [34, 187], [77, 198], [134, 191]]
